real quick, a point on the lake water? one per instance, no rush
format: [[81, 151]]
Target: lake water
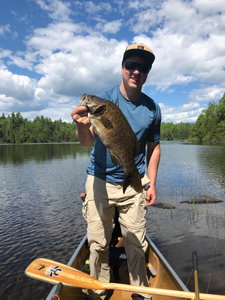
[[40, 211]]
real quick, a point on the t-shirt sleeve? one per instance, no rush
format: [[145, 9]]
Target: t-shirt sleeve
[[154, 130]]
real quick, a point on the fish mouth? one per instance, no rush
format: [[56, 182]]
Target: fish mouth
[[95, 106], [98, 110]]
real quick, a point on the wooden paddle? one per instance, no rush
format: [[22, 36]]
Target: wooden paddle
[[195, 266], [54, 272]]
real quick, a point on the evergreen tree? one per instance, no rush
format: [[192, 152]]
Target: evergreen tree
[[16, 129]]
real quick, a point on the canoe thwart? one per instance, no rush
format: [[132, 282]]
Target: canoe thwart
[[151, 269]]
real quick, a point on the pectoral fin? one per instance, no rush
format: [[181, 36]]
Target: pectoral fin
[[106, 122], [114, 159]]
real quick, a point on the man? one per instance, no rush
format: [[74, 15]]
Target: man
[[104, 189]]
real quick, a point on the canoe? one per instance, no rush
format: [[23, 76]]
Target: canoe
[[161, 274]]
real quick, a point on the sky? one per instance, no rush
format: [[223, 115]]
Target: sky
[[54, 51]]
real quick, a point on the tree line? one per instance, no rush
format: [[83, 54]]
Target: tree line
[[179, 131], [210, 126], [16, 129]]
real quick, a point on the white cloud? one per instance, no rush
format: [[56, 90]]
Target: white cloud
[[4, 29], [58, 10], [166, 109], [111, 27], [78, 72], [184, 113], [144, 4], [55, 37], [4, 53], [175, 12], [20, 87], [209, 6], [144, 20], [188, 45], [93, 8], [216, 75], [71, 64], [205, 93], [20, 93], [18, 61], [190, 106]]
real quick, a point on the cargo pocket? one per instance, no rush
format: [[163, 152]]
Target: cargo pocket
[[85, 209]]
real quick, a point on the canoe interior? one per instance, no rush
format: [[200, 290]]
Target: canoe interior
[[165, 278]]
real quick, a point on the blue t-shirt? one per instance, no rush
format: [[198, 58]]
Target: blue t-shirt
[[144, 116]]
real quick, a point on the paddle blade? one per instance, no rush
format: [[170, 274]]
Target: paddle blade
[[54, 272]]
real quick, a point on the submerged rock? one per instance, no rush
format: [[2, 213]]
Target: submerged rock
[[202, 200], [163, 205]]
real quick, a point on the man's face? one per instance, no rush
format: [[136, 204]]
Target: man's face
[[133, 79]]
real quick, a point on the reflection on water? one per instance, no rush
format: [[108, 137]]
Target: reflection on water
[[40, 211], [213, 156], [189, 229], [187, 171], [19, 153]]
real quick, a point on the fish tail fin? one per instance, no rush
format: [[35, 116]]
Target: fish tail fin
[[134, 180]]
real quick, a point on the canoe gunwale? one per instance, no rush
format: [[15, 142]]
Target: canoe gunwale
[[168, 266], [49, 297]]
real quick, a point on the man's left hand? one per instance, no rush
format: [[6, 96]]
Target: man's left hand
[[151, 195]]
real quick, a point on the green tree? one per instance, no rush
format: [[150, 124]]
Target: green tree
[[209, 125], [16, 129]]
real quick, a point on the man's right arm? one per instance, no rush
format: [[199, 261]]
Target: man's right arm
[[85, 133]]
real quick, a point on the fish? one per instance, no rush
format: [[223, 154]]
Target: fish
[[115, 132]]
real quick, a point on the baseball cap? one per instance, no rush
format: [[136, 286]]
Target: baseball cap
[[139, 49]]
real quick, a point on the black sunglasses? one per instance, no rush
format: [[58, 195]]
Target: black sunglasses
[[130, 65]]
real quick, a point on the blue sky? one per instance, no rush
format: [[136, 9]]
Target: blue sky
[[53, 52]]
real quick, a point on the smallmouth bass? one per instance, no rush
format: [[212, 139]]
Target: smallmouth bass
[[116, 134]]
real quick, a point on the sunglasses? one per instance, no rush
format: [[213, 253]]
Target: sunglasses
[[130, 65]]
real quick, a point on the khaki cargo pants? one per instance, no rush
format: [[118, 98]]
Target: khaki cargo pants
[[99, 210]]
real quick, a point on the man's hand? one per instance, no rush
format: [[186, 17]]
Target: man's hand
[[153, 157], [84, 132], [80, 115], [151, 195]]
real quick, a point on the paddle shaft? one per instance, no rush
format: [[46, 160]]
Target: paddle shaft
[[162, 292], [54, 272], [195, 266]]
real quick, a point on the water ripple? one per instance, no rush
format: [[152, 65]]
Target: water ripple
[[40, 212]]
